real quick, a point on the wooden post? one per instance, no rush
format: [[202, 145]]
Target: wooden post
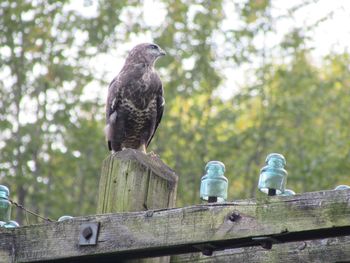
[[133, 181]]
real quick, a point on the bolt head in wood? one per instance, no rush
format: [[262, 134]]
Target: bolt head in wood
[[88, 234]]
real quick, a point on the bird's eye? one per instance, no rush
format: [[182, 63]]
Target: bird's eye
[[154, 47]]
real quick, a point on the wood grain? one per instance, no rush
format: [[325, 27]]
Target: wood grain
[[309, 216], [133, 181], [316, 251]]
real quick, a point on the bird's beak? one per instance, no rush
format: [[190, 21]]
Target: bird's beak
[[162, 52]]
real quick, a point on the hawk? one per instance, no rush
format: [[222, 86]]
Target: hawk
[[135, 100]]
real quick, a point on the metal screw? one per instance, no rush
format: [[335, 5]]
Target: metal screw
[[87, 232], [234, 216]]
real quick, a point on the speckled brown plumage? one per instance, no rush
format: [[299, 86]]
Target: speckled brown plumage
[[135, 100]]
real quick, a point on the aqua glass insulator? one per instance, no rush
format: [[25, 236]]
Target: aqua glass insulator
[[214, 183], [287, 192], [342, 187], [2, 223], [11, 224], [5, 205], [63, 218], [273, 177]]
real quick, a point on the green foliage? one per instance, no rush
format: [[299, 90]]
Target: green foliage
[[46, 154], [52, 143]]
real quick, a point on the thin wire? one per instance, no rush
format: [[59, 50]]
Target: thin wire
[[30, 212]]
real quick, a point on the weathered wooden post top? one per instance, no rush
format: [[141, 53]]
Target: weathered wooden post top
[[133, 181]]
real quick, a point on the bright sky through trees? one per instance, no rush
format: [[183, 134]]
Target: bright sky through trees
[[330, 35]]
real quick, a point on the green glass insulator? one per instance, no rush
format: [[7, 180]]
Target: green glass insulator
[[273, 177], [214, 184], [64, 218], [5, 205], [287, 192], [342, 187], [11, 224]]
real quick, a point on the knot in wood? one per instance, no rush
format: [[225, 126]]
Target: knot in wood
[[234, 216]]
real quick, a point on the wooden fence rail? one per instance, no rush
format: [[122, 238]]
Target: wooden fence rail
[[336, 249], [205, 228]]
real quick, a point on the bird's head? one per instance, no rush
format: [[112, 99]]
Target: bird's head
[[146, 53]]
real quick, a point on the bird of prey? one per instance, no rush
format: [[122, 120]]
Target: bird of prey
[[135, 100]]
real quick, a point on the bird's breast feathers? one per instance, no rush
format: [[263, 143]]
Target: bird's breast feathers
[[140, 91], [132, 107]]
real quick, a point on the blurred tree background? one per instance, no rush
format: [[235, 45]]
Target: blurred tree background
[[52, 98]]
